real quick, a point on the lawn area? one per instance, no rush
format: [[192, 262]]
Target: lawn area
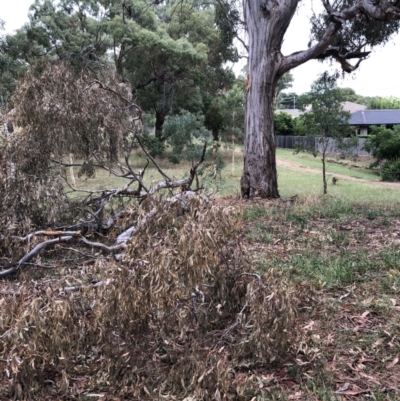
[[292, 180], [334, 165], [309, 185]]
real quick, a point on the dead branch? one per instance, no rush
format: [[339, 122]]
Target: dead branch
[[185, 183], [159, 169], [33, 253], [47, 233]]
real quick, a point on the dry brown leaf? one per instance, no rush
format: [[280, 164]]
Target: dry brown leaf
[[378, 342], [393, 363]]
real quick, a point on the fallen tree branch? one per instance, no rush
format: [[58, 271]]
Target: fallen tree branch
[[48, 233], [98, 199], [34, 252]]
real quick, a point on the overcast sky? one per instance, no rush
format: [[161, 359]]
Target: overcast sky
[[377, 76]]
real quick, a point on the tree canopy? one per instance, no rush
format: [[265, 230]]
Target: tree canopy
[[173, 55], [383, 103]]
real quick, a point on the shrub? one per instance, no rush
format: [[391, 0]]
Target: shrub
[[154, 146], [391, 170], [383, 143], [186, 134], [284, 124]]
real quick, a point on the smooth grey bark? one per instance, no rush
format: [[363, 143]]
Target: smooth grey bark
[[266, 23]]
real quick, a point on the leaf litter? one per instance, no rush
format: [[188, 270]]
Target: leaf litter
[[191, 314]]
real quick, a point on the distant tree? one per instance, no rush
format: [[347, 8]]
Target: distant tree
[[214, 114], [327, 120], [383, 103], [349, 95], [233, 112], [285, 82], [284, 124], [224, 116], [172, 54], [186, 134]]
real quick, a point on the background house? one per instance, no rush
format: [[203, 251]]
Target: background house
[[347, 106], [363, 119], [352, 107], [293, 112]]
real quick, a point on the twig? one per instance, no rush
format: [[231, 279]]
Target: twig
[[80, 252], [150, 157], [232, 326]]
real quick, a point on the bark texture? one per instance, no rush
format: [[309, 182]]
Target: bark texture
[[266, 24]]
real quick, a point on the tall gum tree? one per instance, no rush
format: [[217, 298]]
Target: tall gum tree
[[345, 32]]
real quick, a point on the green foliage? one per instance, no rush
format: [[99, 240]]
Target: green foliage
[[360, 33], [391, 170], [384, 103], [284, 124], [224, 113], [327, 119], [11, 68], [300, 125], [152, 144], [349, 95], [233, 109], [186, 134], [172, 54], [383, 143]]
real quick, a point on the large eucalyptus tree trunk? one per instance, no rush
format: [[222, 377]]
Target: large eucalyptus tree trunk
[[266, 23]]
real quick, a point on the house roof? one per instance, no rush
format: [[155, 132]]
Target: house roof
[[352, 107], [292, 112], [375, 117]]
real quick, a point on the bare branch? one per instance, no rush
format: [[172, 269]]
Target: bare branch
[[185, 183], [381, 10], [159, 169], [34, 252]]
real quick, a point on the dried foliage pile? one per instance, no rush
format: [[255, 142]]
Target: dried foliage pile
[[181, 316], [59, 114]]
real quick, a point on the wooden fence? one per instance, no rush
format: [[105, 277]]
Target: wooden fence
[[291, 142]]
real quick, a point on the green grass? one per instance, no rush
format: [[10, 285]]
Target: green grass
[[291, 181], [308, 160], [309, 185]]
